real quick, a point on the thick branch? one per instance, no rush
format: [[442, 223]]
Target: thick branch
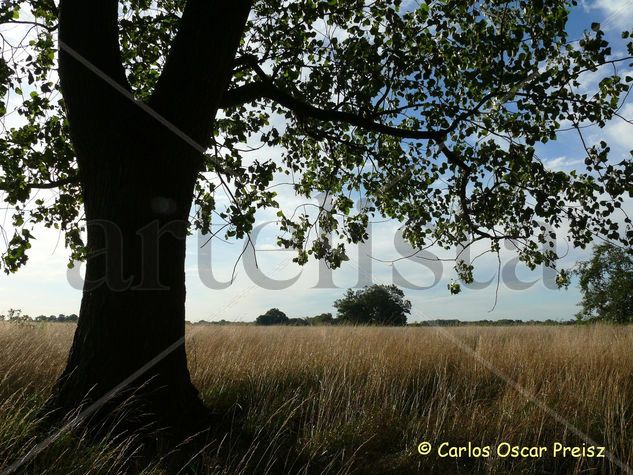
[[265, 88], [91, 30], [90, 65], [32, 23], [199, 64], [45, 186]]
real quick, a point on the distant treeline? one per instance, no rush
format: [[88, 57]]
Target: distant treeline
[[501, 322], [59, 318], [275, 317], [322, 319], [319, 320], [16, 315]]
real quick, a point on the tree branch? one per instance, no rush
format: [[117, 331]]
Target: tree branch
[[265, 88], [46, 186], [463, 179], [199, 64], [91, 30], [32, 23]]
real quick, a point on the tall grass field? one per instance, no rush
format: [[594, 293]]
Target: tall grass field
[[355, 400]]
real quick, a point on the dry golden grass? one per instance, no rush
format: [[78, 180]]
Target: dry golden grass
[[360, 400]]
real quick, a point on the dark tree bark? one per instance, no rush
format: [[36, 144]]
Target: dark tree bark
[[138, 171]]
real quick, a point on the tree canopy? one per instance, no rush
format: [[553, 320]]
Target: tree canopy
[[433, 112], [606, 283], [374, 305], [274, 316], [321, 319]]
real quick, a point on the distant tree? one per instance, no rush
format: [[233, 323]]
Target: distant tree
[[508, 321], [374, 305], [274, 316], [59, 318], [321, 319], [442, 323], [606, 283], [16, 315], [13, 314]]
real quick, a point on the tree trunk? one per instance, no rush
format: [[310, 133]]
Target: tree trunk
[[138, 172], [137, 201]]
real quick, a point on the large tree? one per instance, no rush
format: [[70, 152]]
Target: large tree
[[274, 316], [606, 284], [373, 305], [432, 111]]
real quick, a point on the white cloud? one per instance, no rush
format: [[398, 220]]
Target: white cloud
[[620, 132], [560, 163], [617, 13]]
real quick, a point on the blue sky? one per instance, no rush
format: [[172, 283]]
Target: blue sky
[[45, 287]]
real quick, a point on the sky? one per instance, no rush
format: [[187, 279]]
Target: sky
[[45, 286]]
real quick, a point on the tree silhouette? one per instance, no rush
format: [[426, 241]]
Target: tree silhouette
[[374, 305], [274, 316]]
